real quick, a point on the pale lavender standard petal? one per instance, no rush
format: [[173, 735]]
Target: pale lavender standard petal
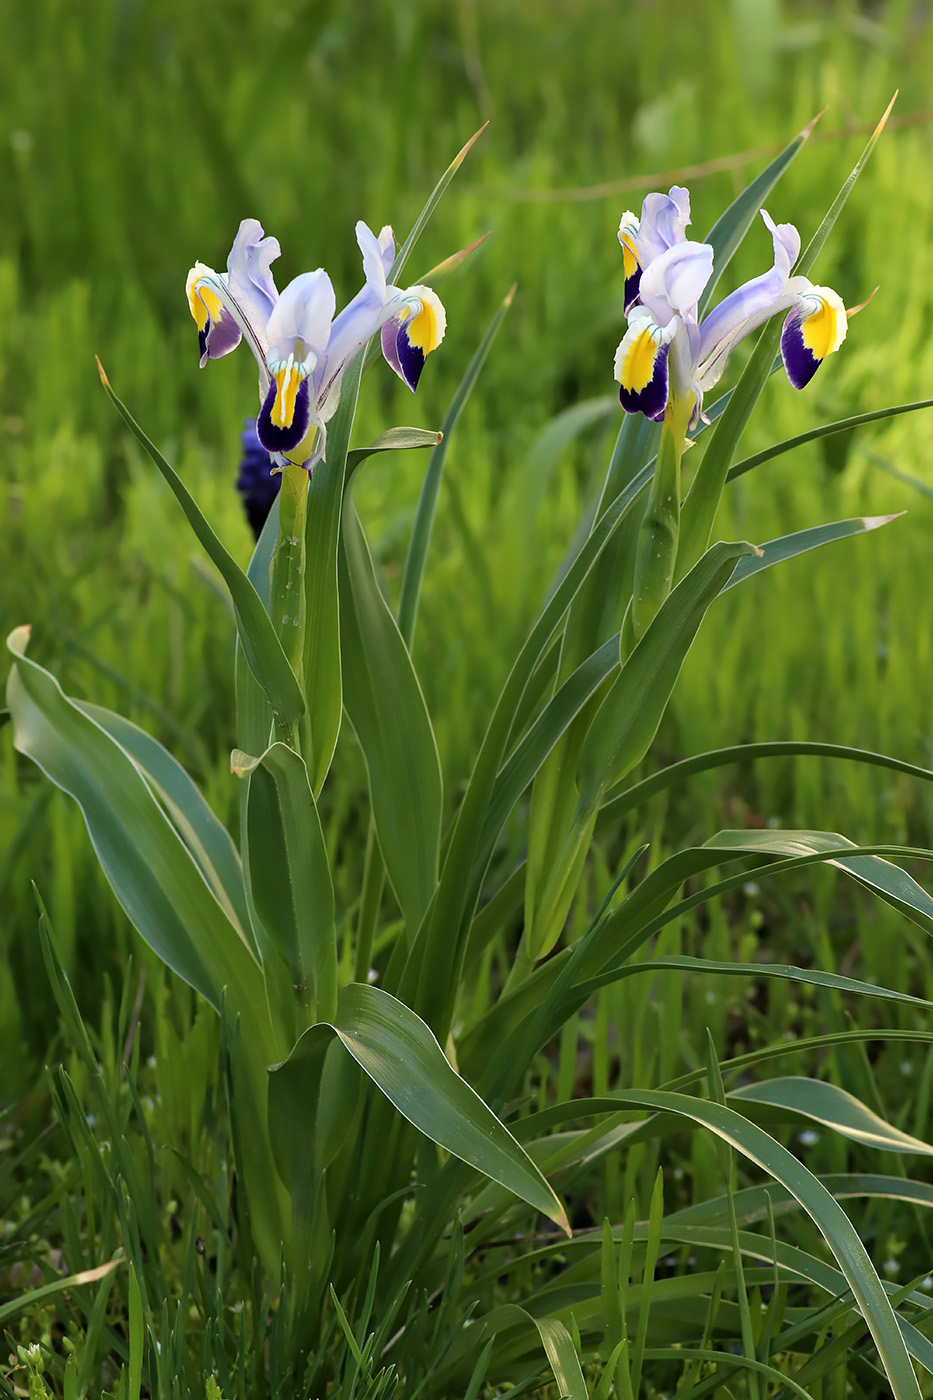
[[249, 278], [301, 319], [664, 219], [360, 318], [750, 305], [672, 283]]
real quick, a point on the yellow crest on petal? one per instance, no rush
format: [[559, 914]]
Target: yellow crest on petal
[[288, 379], [203, 302], [635, 360], [628, 228], [425, 328], [824, 329]]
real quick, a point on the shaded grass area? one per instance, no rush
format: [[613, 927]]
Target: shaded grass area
[[135, 138]]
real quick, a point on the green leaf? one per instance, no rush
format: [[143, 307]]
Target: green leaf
[[628, 719], [290, 879], [321, 664], [789, 546], [150, 870], [403, 1059], [424, 518], [638, 793], [207, 839], [387, 710], [826, 1213], [261, 647], [803, 1097], [392, 440], [880, 876], [430, 205], [561, 1353], [842, 425]]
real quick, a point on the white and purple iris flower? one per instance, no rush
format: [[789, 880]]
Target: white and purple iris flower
[[667, 351], [301, 346]]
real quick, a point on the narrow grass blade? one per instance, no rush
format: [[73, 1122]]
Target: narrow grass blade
[[431, 204], [616, 807], [731, 227], [826, 1213], [261, 647], [424, 518], [801, 541], [842, 425], [830, 1106], [149, 868], [389, 716], [702, 503], [29, 1299], [207, 839]]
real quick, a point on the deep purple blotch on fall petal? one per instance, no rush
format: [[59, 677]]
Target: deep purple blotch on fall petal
[[652, 400]]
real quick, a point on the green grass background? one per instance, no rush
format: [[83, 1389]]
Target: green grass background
[[135, 134]]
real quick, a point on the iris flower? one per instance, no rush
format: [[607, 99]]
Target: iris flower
[[301, 346], [667, 352]]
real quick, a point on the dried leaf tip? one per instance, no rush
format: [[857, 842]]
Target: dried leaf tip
[[887, 112], [102, 372], [461, 156], [510, 294], [808, 129]]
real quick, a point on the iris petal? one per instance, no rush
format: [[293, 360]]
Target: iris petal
[[641, 368], [814, 329], [285, 414], [410, 336]]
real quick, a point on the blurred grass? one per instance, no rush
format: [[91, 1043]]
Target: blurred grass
[[133, 138]]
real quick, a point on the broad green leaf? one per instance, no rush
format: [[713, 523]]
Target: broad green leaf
[[424, 518], [387, 710], [321, 665], [403, 1059], [789, 546], [826, 1213], [261, 647], [290, 879], [149, 868], [561, 1353], [207, 839], [731, 227], [829, 1105], [702, 503], [628, 719], [880, 876], [632, 797]]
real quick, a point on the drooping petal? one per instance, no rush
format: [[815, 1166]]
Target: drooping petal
[[628, 233], [286, 411], [641, 366], [672, 283], [410, 335], [750, 305], [664, 219], [816, 327], [218, 330]]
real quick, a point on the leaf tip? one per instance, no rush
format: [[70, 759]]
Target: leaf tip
[[18, 640], [875, 522], [510, 294], [102, 372], [887, 112], [461, 155], [808, 129]]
